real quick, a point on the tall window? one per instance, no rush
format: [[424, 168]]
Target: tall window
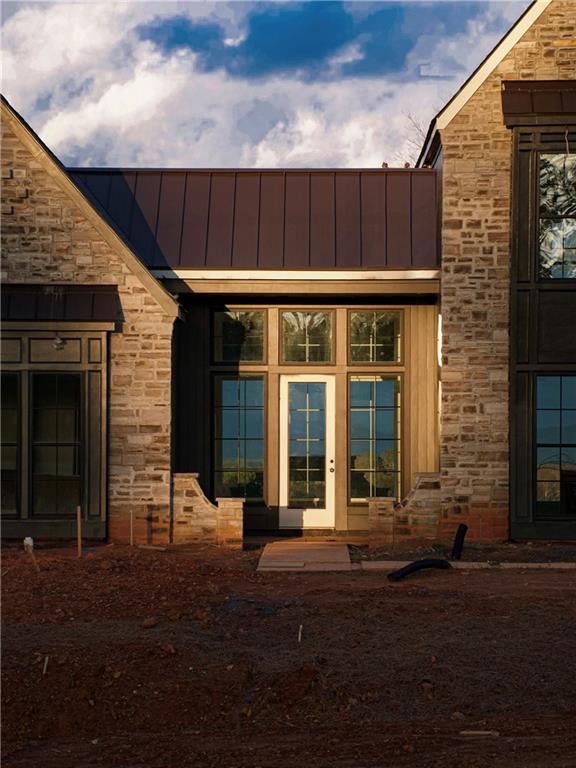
[[10, 442], [374, 437], [374, 337], [306, 337], [239, 437], [239, 336], [55, 444], [557, 222], [555, 443]]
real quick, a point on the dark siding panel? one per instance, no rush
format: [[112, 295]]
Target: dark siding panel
[[424, 232], [348, 238], [398, 240], [170, 219], [121, 200], [145, 215], [99, 186], [221, 220], [271, 247], [322, 221], [556, 324], [297, 228], [373, 189], [195, 224], [245, 250]]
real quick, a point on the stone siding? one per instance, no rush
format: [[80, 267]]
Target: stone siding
[[47, 238], [476, 170], [198, 520]]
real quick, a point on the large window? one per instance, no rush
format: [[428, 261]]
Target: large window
[[374, 437], [557, 216], [555, 443], [306, 337], [56, 443], [239, 437], [239, 336], [374, 336], [10, 442]]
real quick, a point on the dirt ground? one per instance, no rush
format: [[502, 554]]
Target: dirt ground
[[153, 659]]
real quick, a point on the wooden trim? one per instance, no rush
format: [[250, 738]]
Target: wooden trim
[[325, 287], [66, 326]]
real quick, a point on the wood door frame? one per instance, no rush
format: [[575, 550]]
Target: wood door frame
[[317, 519]]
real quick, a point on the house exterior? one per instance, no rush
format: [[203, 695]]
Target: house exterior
[[200, 354]]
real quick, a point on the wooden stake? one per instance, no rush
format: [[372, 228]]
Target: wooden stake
[[79, 530]]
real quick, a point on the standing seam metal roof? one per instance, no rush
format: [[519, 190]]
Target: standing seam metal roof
[[273, 219]]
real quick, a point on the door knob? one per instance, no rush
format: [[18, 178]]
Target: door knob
[[331, 469]]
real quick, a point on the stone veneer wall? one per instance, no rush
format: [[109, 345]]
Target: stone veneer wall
[[477, 153], [198, 520], [414, 519], [47, 238]]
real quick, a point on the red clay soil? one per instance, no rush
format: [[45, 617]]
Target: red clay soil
[[150, 659]]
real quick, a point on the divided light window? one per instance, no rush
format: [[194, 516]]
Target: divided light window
[[239, 336], [556, 445], [306, 337], [374, 337], [374, 440], [239, 437], [56, 443], [557, 216], [10, 443]]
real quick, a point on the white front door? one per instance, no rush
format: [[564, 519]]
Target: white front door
[[307, 469]]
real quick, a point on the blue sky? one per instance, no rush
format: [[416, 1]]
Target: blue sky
[[242, 84]]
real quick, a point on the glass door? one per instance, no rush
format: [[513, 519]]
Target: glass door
[[307, 470]]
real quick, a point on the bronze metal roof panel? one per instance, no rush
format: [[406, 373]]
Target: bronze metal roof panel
[[285, 219], [539, 102], [56, 302]]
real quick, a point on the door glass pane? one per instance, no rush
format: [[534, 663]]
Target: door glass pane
[[555, 458], [306, 445], [239, 336], [239, 437], [10, 443], [306, 337], [56, 409], [374, 437]]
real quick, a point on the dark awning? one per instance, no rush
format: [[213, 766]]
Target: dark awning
[[539, 102], [68, 303], [285, 219]]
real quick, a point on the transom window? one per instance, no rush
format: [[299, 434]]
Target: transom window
[[239, 336], [557, 216], [555, 443], [374, 336], [374, 437], [239, 437], [306, 337]]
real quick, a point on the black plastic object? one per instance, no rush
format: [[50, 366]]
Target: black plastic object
[[459, 541], [419, 565]]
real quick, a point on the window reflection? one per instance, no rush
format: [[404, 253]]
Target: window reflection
[[306, 337], [239, 336], [555, 443], [239, 438], [557, 224], [374, 439], [374, 337]]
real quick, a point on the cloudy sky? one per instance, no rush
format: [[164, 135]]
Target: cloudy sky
[[241, 84]]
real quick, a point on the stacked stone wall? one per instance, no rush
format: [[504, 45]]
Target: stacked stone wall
[[476, 170], [197, 520], [47, 238]]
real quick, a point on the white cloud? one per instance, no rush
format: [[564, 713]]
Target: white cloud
[[97, 94]]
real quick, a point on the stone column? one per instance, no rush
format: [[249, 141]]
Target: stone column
[[230, 522], [381, 521]]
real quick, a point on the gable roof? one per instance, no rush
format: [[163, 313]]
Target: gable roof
[[480, 74], [43, 155], [271, 219]]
